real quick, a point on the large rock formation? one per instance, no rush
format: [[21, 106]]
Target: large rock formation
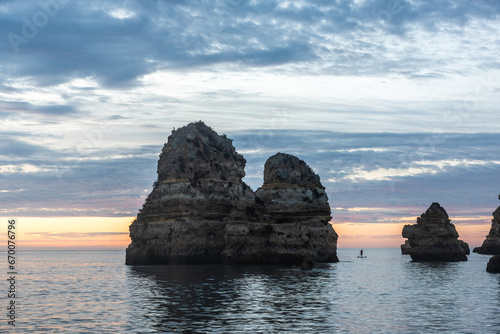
[[434, 237], [491, 245], [493, 265], [200, 210]]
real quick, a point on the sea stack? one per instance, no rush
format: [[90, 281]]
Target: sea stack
[[491, 245], [434, 237], [201, 211]]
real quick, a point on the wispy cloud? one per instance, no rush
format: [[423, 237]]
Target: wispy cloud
[[369, 37], [393, 103]]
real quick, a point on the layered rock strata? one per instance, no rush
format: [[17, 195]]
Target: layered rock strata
[[434, 237], [491, 245], [201, 211], [292, 192]]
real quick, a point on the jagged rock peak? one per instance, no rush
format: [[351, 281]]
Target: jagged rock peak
[[199, 176], [287, 171], [491, 245], [435, 215], [197, 151]]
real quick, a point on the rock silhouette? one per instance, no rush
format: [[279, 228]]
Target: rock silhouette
[[493, 265], [201, 211], [491, 245], [406, 248], [434, 237]]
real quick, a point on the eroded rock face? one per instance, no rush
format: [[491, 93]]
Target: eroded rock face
[[200, 210], [491, 245], [292, 192], [434, 237], [199, 176]]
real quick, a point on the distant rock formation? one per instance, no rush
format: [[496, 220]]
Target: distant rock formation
[[491, 245], [201, 211], [493, 265], [434, 237]]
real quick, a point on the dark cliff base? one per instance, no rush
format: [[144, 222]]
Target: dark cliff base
[[441, 257], [190, 242]]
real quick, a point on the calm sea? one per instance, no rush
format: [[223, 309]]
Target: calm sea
[[94, 292]]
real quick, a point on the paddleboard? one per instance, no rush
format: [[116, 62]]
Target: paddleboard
[[361, 257]]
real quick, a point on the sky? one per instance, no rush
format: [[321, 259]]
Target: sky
[[393, 103]]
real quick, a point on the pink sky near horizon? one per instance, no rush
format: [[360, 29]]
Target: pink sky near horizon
[[96, 233]]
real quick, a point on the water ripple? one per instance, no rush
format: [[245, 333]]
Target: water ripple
[[90, 292]]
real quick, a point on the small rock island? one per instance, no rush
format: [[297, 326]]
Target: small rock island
[[491, 245], [434, 238], [201, 211]]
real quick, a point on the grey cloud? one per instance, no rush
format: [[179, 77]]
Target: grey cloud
[[103, 184], [29, 108], [337, 155], [7, 89], [15, 148], [116, 117], [83, 40], [56, 110], [73, 185]]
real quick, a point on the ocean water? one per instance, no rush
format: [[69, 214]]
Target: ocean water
[[94, 292]]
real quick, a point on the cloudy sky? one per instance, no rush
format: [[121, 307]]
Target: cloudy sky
[[393, 103]]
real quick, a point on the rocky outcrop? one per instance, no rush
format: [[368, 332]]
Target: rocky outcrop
[[201, 211], [292, 192], [434, 237], [465, 246], [493, 265], [406, 248], [491, 245]]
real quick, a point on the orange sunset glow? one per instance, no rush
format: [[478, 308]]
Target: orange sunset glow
[[68, 233], [73, 233]]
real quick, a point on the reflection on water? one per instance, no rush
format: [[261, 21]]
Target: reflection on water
[[235, 298], [93, 292]]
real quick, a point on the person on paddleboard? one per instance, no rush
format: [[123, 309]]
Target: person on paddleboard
[[361, 253]]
